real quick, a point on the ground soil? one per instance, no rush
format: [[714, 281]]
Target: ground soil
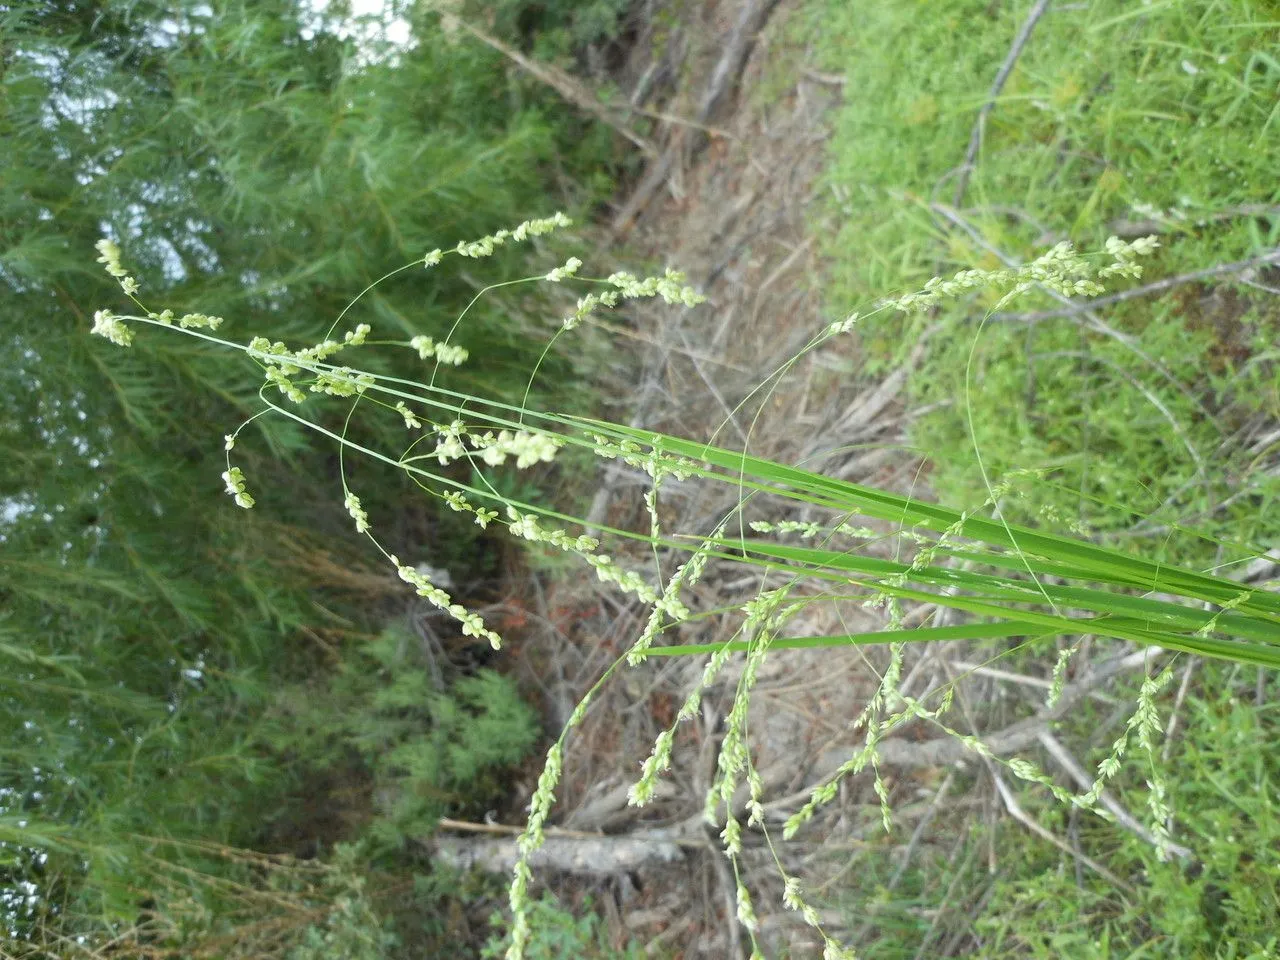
[[732, 197]]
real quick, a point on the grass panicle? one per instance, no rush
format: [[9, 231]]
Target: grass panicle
[[1000, 580]]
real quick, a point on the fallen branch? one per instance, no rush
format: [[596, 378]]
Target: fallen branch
[[1172, 726], [569, 851], [751, 19], [1006, 68], [1087, 310], [559, 81], [867, 407], [1015, 810], [1142, 228], [1021, 678], [826, 79]]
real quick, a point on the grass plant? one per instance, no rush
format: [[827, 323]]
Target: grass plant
[[1002, 580]]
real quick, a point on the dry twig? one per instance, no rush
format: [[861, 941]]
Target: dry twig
[[571, 851], [1087, 311], [1015, 810], [728, 889], [1159, 286], [559, 81], [1183, 686], [1110, 803], [1006, 68], [752, 16]]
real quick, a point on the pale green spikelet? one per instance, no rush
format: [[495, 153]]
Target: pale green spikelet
[[107, 324], [569, 269], [411, 420], [351, 503], [234, 480], [1060, 673], [109, 256]]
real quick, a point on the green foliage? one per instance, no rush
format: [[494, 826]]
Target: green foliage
[[558, 933], [1114, 115], [1013, 582], [162, 711], [351, 928], [558, 29], [429, 748], [1224, 903], [1164, 108]]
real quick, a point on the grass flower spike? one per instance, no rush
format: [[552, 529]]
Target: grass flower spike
[[234, 480], [107, 324]]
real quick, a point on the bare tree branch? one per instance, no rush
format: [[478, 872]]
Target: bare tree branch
[[568, 850], [1015, 810]]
